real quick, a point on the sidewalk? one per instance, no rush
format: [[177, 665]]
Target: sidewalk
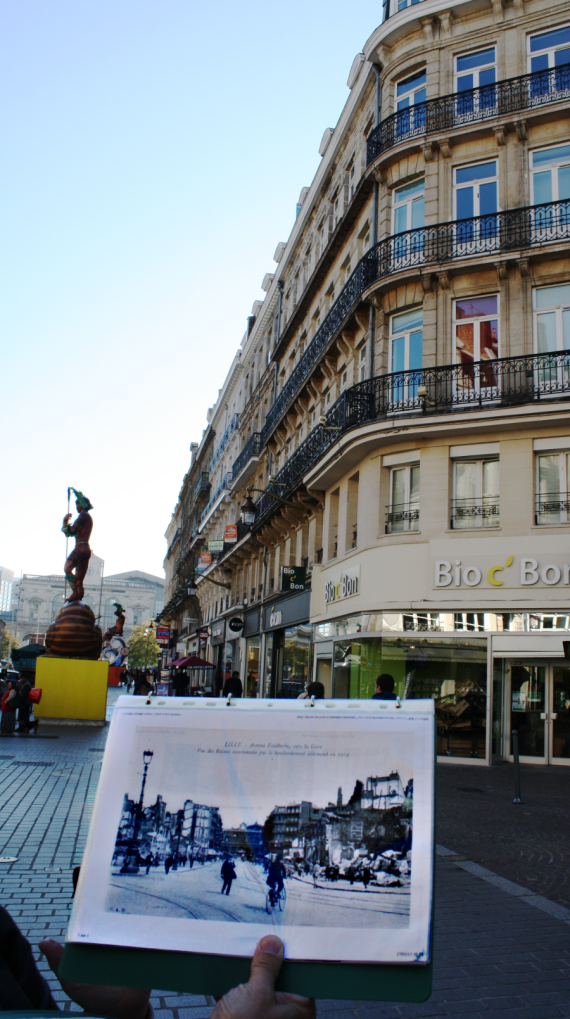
[[496, 953]]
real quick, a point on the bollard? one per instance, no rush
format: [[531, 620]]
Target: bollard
[[517, 798]]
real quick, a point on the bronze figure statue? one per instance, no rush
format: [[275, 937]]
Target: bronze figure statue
[[117, 629], [78, 559]]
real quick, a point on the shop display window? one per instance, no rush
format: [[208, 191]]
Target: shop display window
[[451, 672], [252, 667]]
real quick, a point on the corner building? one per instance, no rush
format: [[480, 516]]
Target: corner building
[[411, 410]]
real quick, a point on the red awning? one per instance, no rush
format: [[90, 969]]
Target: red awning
[[193, 662]]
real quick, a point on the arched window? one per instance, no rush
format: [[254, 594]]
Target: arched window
[[33, 609]]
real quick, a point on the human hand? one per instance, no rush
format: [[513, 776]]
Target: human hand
[[66, 519], [117, 1002], [258, 999]]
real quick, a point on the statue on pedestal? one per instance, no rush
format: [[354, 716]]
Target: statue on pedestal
[[78, 559]]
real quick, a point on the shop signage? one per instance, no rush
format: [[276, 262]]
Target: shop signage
[[203, 634], [493, 572], [287, 610], [347, 585], [205, 559], [216, 546], [230, 533], [163, 635], [218, 632], [293, 578], [236, 624], [275, 617]]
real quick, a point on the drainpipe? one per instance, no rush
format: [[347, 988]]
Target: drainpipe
[[374, 230], [280, 289]]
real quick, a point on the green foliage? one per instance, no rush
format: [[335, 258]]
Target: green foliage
[[6, 644], [143, 647]]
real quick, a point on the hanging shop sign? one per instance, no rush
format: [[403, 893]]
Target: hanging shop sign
[[293, 578], [236, 624], [203, 634], [216, 546], [205, 560], [163, 635], [344, 585], [230, 533], [218, 632]]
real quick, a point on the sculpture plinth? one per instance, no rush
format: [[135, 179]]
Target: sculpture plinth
[[74, 633]]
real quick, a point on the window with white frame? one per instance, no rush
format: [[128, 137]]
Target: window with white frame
[[404, 508], [476, 330], [410, 97], [549, 49], [475, 500], [552, 484], [406, 341], [475, 190], [362, 373], [552, 336], [475, 71], [550, 175], [408, 206]]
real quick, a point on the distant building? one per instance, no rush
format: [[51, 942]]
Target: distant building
[[40, 598]]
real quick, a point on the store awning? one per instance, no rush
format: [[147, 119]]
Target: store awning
[[193, 662]]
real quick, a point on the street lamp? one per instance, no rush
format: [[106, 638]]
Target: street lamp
[[192, 587], [248, 511], [131, 862]]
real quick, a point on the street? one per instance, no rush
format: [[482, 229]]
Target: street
[[196, 893]]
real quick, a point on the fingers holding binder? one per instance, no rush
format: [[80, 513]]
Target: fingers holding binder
[[258, 999]]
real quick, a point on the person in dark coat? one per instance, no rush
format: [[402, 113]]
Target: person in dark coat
[[228, 874], [233, 685], [24, 687], [384, 688]]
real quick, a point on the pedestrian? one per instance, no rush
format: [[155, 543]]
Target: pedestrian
[[148, 862], [24, 687], [168, 861], [228, 874], [365, 877], [385, 688], [350, 874], [233, 686], [8, 723]]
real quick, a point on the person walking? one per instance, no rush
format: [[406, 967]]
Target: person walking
[[366, 877], [228, 874], [233, 686], [385, 688], [24, 687], [8, 723]]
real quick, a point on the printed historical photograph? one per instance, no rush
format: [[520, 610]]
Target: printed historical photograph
[[266, 828]]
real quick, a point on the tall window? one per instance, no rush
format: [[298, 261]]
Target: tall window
[[475, 71], [550, 175], [333, 525], [552, 335], [475, 494], [34, 608], [552, 484], [548, 59], [475, 194], [362, 365], [404, 510], [351, 540], [406, 353], [408, 214], [411, 93], [476, 328]]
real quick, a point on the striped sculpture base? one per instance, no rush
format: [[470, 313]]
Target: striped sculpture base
[[74, 634]]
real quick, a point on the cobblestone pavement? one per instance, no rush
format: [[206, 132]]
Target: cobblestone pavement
[[496, 954], [528, 843]]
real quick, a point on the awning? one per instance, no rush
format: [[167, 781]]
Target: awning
[[193, 662]]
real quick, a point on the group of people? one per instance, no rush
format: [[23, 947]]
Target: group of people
[[16, 701]]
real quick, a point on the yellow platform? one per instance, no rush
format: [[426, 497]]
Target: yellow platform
[[71, 688]]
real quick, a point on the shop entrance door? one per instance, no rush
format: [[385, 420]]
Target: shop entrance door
[[538, 703]]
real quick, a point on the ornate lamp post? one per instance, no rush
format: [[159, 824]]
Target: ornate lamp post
[[131, 864]]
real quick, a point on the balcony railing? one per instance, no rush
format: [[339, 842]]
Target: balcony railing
[[482, 512], [499, 232], [504, 98], [234, 423], [224, 485], [251, 448], [173, 543], [552, 508], [504, 382], [404, 516], [202, 485], [496, 233]]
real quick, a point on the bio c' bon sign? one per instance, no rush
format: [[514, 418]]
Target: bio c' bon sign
[[513, 571]]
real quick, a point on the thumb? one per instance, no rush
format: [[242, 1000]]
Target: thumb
[[53, 952], [266, 963]]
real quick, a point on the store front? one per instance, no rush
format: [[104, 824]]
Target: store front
[[252, 635], [218, 648], [288, 645]]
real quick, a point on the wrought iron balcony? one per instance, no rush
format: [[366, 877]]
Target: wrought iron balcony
[[404, 516], [497, 233], [233, 425], [552, 508], [504, 382], [202, 485], [173, 543], [391, 7], [224, 485], [251, 448], [482, 512], [504, 98]]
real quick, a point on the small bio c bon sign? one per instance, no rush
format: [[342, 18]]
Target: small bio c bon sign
[[345, 587]]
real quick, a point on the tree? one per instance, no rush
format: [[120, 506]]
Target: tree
[[143, 647], [6, 646]]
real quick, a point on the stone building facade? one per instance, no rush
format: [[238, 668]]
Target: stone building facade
[[401, 396]]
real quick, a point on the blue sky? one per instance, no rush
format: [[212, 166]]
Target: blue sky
[[153, 154]]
